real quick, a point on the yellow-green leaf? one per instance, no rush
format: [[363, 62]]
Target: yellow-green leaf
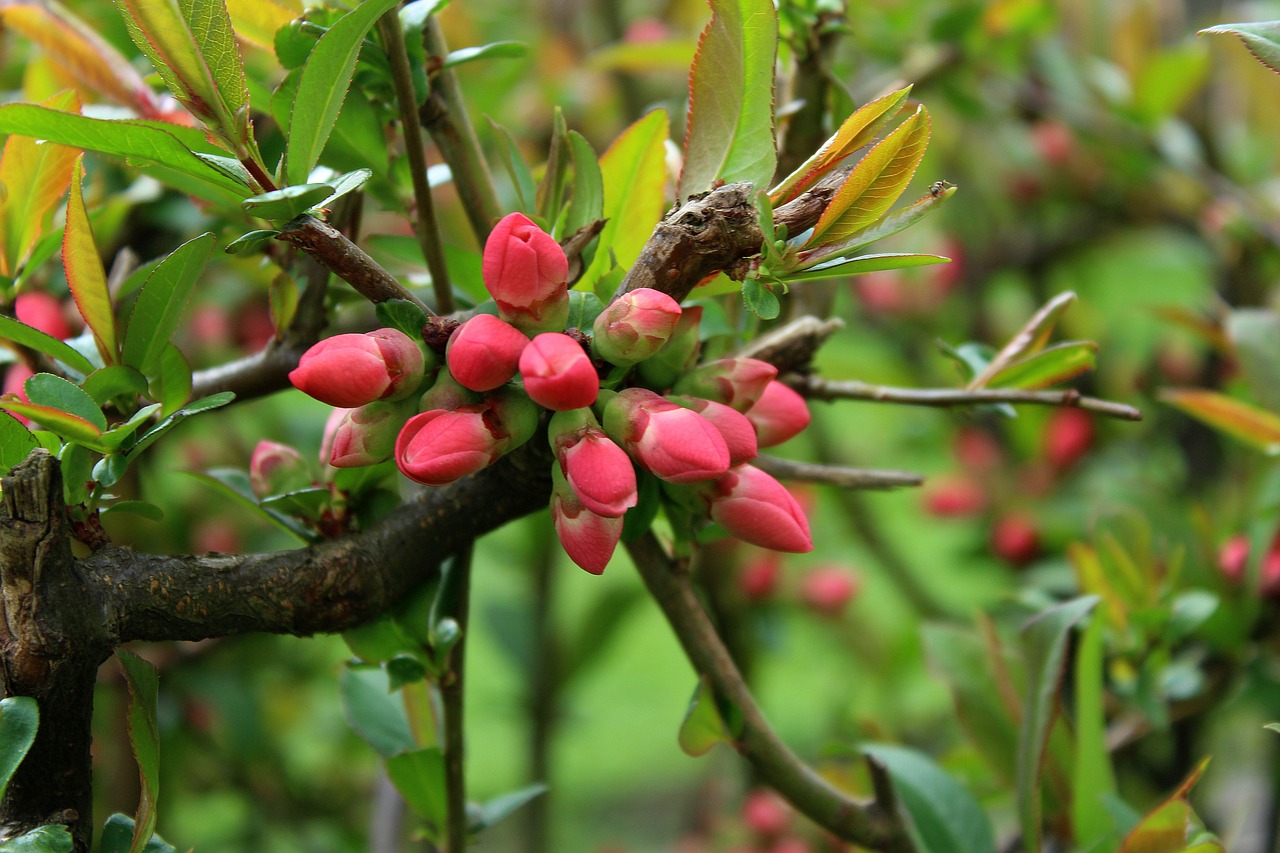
[[856, 131], [85, 275], [1048, 367], [633, 172], [34, 176], [256, 21], [1029, 340], [730, 131], [1253, 426], [1262, 39], [875, 183], [1164, 829]]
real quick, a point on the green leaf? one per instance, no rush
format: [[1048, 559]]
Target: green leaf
[[50, 838], [586, 204], [323, 85], [1044, 641], [171, 383], [1048, 367], [305, 503], [521, 177], [117, 837], [234, 484], [251, 241], [1262, 39], [493, 50], [549, 198], [633, 171], [45, 389], [419, 777], [348, 182], [380, 640], [945, 817], [1275, 727], [499, 808], [149, 511], [703, 725], [144, 735], [730, 129], [891, 224], [584, 308], [1028, 341], [160, 303], [855, 132], [19, 719], [83, 267], [373, 712], [109, 470], [840, 267], [77, 472], [1164, 829], [403, 315], [760, 299], [288, 202], [1255, 335], [1250, 424], [1093, 779], [24, 335], [137, 142], [16, 443], [875, 183], [115, 380]]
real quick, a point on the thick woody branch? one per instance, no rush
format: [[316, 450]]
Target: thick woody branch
[[868, 824], [850, 389]]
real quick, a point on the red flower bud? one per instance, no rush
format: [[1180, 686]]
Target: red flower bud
[[558, 373], [587, 537], [350, 370], [674, 443], [758, 579], [1233, 557], [525, 272], [1068, 435], [954, 496], [678, 355], [736, 382], [484, 352], [15, 379], [438, 447], [635, 326], [828, 590], [42, 311], [779, 415], [367, 435], [756, 508], [600, 472], [276, 468], [738, 433], [765, 813], [1015, 539]]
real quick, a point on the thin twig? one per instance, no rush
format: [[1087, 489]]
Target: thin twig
[[837, 475], [451, 696], [866, 823], [851, 389], [424, 225], [344, 259]]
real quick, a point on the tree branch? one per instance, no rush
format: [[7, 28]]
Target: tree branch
[[867, 824], [344, 259], [836, 475], [851, 389]]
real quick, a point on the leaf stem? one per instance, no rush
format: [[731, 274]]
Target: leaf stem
[[451, 696], [425, 226]]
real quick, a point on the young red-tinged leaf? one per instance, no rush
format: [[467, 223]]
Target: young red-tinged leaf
[[192, 46], [20, 333], [144, 735], [1048, 367], [34, 175], [256, 21], [140, 143], [875, 182], [891, 224], [730, 135], [1164, 829], [856, 131], [160, 303], [16, 443], [1250, 424], [703, 725], [77, 48], [1262, 39], [633, 172], [85, 276], [1028, 341], [323, 85], [67, 426], [841, 267]]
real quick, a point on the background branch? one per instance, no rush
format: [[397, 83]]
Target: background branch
[[836, 475]]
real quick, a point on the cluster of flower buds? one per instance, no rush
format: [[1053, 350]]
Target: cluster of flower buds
[[628, 397]]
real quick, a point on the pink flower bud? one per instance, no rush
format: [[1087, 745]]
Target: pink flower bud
[[587, 537], [525, 272], [558, 373], [599, 471], [1068, 436], [367, 435], [756, 508], [277, 468], [738, 433], [1015, 539], [678, 355], [954, 496], [438, 447], [42, 311], [635, 326], [736, 382], [15, 379], [674, 443], [828, 590], [779, 415], [484, 352], [1233, 557], [351, 370], [758, 579], [765, 813]]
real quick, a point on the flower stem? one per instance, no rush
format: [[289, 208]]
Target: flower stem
[[451, 700]]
